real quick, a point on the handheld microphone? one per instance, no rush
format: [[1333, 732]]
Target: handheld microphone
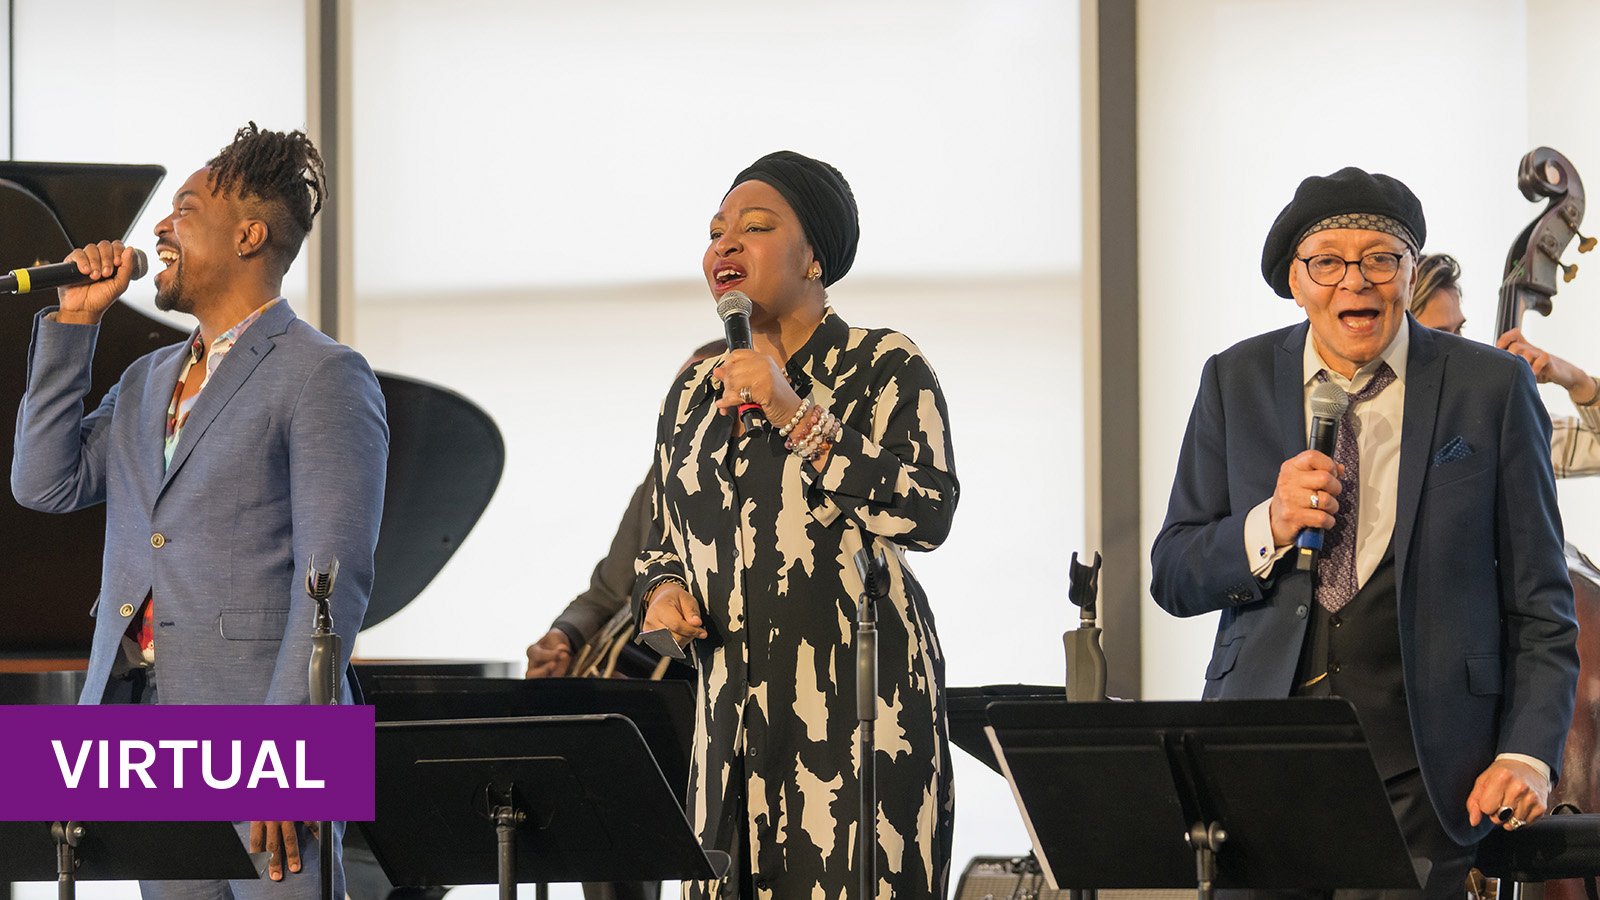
[[734, 308], [1328, 405], [59, 275]]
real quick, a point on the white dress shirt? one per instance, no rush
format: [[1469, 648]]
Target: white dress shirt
[[1377, 427]]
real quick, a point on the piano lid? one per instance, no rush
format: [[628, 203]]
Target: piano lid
[[445, 453]]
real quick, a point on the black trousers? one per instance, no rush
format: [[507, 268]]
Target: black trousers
[[1446, 862]]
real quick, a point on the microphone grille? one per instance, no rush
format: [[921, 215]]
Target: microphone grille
[[734, 303], [1329, 401], [140, 264]]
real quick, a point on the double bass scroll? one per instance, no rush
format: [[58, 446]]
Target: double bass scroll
[[1529, 279]]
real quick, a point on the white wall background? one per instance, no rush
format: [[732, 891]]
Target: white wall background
[[156, 81], [1444, 94]]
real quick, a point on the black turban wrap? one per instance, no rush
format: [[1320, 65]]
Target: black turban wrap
[[821, 198], [1349, 198]]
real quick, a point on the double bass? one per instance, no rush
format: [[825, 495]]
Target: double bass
[[1529, 283]]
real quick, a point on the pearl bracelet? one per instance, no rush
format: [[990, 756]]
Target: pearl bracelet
[[795, 419], [803, 427], [820, 436]]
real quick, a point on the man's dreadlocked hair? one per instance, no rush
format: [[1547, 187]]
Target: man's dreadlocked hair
[[278, 176]]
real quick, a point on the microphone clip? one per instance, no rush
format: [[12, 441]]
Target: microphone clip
[[320, 577]]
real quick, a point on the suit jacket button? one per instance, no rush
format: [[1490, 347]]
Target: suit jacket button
[[158, 540], [126, 610], [1300, 611]]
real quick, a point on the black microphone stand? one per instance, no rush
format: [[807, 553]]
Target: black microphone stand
[[324, 683], [1086, 656], [874, 572]]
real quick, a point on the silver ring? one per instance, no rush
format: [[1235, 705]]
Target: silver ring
[[1313, 499], [1514, 823], [744, 394]]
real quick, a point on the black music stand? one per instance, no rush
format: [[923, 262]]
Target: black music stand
[[663, 711], [968, 709], [69, 852], [1236, 794], [528, 800]]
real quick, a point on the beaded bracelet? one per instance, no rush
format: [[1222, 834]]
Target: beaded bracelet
[[820, 437], [803, 428], [795, 419]]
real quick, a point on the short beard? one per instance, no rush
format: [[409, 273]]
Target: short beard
[[172, 298]]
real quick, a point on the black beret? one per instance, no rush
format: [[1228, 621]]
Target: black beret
[[821, 199], [1349, 191]]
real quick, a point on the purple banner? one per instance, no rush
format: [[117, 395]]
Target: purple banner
[[186, 763]]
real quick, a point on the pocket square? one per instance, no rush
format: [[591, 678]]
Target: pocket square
[[1455, 449]]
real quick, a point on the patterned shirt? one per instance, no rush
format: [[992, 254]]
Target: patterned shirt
[[178, 409], [1575, 443]]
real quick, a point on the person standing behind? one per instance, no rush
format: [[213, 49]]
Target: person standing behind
[[1436, 293], [1574, 440], [224, 462]]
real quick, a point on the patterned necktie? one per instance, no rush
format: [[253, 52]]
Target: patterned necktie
[[1336, 567]]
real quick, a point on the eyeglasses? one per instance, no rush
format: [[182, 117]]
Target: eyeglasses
[[1328, 269]]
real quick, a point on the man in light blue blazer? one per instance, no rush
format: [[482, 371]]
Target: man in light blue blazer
[[225, 462], [1440, 605]]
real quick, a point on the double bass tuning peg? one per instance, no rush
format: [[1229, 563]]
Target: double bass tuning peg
[[1569, 271], [1585, 244]]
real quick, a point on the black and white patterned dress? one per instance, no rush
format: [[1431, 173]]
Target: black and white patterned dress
[[766, 545]]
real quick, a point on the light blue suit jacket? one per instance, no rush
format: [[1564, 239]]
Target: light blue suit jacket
[[283, 456]]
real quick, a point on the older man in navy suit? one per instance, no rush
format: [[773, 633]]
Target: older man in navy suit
[[1439, 604], [225, 463]]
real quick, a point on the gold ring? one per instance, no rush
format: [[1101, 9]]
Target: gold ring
[[1313, 499]]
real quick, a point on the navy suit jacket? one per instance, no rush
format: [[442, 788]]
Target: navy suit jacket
[[1487, 634], [283, 455]]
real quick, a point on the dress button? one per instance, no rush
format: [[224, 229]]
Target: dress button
[[1333, 668], [1300, 611], [158, 540], [126, 610], [752, 754], [1335, 621]]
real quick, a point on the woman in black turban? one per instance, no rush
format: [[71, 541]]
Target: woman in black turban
[[757, 526]]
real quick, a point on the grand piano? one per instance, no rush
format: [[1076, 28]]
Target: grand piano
[[51, 564]]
